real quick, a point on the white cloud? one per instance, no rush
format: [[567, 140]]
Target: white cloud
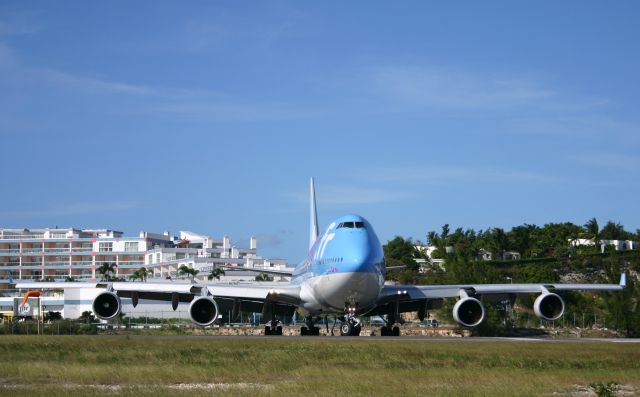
[[427, 87], [7, 57], [94, 85], [336, 196], [19, 23], [609, 161], [446, 173], [228, 111], [579, 127], [269, 240]]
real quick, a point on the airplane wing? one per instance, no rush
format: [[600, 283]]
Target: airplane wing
[[420, 298], [261, 298]]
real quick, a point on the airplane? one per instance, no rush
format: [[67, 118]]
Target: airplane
[[343, 275]]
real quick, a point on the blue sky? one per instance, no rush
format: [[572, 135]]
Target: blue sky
[[211, 116]]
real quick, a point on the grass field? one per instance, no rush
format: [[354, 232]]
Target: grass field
[[198, 366]]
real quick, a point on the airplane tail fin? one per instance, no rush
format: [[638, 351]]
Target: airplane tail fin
[[313, 234]]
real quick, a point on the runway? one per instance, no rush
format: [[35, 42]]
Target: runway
[[364, 339]]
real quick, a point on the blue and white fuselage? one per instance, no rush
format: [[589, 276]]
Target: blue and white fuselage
[[344, 268]]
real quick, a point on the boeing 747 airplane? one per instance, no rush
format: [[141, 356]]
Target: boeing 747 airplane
[[343, 275]]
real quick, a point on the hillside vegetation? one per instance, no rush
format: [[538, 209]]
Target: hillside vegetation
[[547, 254]]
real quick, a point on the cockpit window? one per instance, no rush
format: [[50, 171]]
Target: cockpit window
[[351, 225]]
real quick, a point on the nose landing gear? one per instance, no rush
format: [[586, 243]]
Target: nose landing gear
[[350, 326]]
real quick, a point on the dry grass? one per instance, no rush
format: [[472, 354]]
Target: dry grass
[[194, 366]]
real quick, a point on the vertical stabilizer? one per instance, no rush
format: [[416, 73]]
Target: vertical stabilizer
[[313, 235]]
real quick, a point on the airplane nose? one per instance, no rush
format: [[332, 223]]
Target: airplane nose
[[360, 258]]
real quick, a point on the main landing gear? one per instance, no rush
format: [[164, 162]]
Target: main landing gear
[[310, 329], [273, 328], [389, 329]]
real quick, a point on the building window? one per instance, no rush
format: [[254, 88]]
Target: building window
[[131, 246], [58, 235], [105, 247]]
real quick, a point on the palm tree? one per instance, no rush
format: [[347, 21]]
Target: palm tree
[[144, 273], [263, 277], [594, 231], [191, 272], [216, 272], [139, 274], [106, 270]]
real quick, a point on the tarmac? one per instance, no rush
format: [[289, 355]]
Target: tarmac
[[427, 339]]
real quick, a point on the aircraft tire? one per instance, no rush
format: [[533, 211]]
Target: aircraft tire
[[396, 331], [346, 329], [304, 331], [279, 330]]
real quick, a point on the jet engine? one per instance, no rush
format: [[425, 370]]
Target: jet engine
[[203, 310], [468, 312], [549, 306], [107, 305]]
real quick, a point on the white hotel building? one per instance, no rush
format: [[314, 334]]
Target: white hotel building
[[64, 254]]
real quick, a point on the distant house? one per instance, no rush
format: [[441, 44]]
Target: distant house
[[510, 255], [485, 255], [618, 245], [426, 265]]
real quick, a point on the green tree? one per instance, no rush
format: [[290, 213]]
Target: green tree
[[552, 240], [107, 270], [496, 241], [145, 273], [520, 239], [593, 230], [614, 231], [216, 272], [185, 270], [403, 250], [141, 274], [623, 306], [87, 317], [264, 277], [135, 276]]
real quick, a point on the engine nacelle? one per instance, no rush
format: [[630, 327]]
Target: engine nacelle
[[549, 306], [468, 312], [107, 305], [203, 310]]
